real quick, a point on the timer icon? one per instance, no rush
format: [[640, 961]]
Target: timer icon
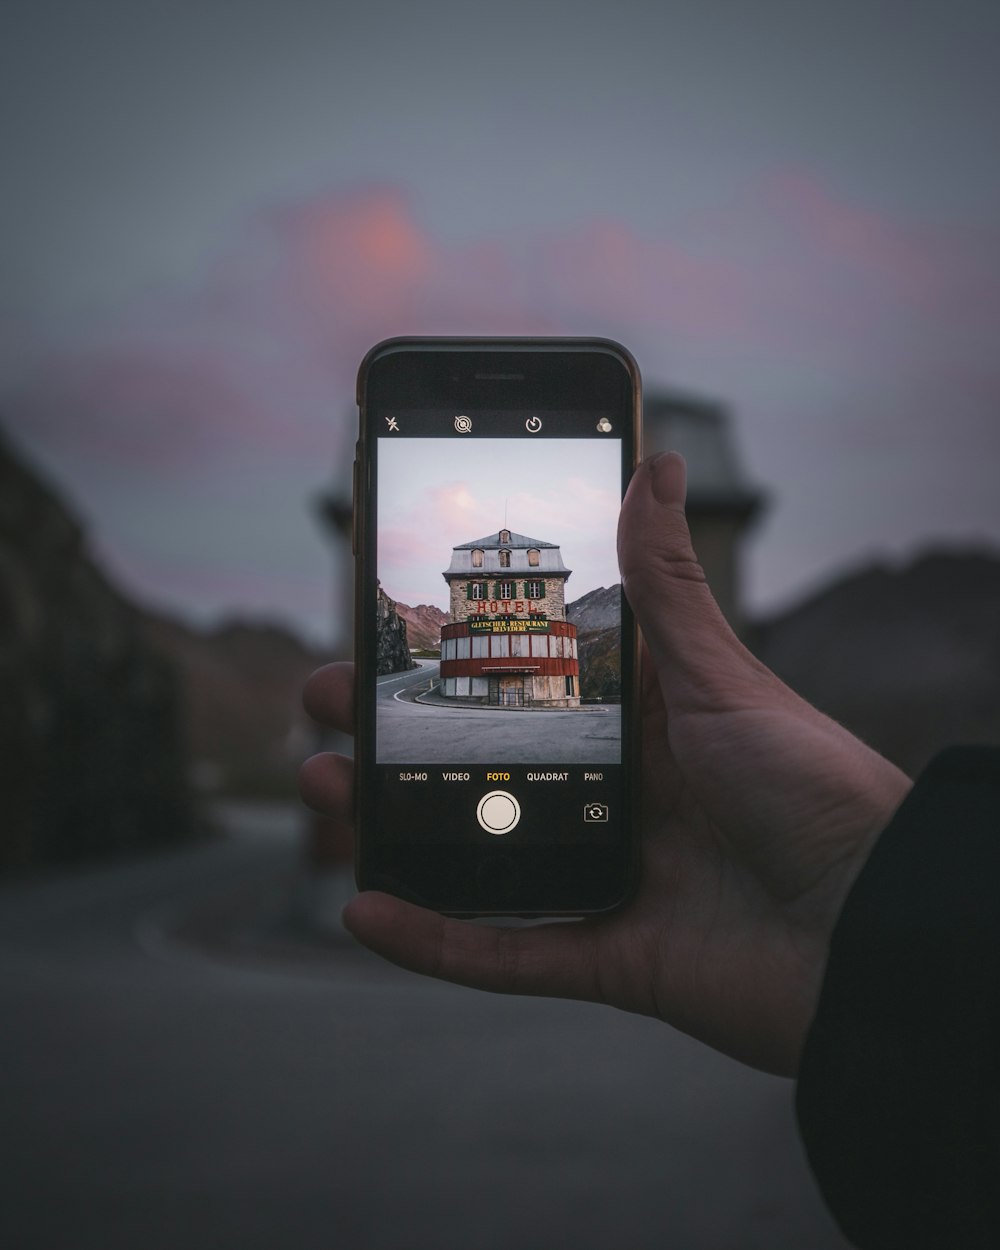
[[533, 425]]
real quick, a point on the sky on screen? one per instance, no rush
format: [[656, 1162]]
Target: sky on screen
[[435, 494]]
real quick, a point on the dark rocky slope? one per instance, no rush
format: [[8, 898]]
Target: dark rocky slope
[[907, 658], [91, 735], [392, 650]]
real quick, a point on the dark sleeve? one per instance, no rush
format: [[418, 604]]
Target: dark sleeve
[[898, 1098]]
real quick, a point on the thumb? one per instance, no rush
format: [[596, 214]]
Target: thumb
[[700, 661]]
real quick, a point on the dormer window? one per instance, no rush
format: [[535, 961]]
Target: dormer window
[[505, 536], [477, 558], [505, 559], [533, 557]]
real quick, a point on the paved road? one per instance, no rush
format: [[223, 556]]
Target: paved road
[[180, 1071], [412, 732]]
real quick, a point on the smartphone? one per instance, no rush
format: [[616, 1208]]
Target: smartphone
[[496, 656]]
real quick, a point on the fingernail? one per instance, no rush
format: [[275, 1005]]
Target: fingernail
[[667, 471]]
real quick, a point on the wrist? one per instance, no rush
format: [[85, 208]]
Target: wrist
[[891, 1093]]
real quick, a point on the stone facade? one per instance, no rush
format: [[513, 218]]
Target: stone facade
[[507, 574], [551, 603], [508, 642]]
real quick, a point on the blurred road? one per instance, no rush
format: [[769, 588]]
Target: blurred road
[[181, 1069]]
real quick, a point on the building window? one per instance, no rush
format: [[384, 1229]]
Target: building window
[[478, 590], [534, 590], [569, 686], [533, 557], [505, 559], [477, 558], [505, 590], [505, 536]]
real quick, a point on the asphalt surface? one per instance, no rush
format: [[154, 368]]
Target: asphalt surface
[[417, 726], [182, 1065]]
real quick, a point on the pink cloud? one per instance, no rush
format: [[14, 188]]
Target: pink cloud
[[257, 365], [265, 353], [911, 260], [827, 263], [159, 412], [213, 590]]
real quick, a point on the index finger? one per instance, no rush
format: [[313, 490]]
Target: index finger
[[328, 696], [554, 960]]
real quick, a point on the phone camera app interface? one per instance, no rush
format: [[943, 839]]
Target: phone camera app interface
[[499, 625]]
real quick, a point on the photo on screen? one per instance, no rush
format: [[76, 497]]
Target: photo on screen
[[499, 601]]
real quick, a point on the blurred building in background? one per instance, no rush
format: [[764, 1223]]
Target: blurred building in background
[[721, 502]]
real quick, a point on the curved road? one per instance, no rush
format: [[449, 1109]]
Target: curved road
[[433, 732]]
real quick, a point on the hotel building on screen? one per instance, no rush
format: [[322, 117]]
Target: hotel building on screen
[[508, 642]]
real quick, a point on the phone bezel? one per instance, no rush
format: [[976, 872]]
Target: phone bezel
[[491, 880]]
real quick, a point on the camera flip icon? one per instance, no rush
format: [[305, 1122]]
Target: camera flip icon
[[593, 812]]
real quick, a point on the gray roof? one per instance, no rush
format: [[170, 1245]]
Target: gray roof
[[549, 557], [493, 540]]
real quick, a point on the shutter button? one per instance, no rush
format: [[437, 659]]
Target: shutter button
[[498, 812]]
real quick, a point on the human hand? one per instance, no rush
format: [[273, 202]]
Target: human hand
[[757, 815]]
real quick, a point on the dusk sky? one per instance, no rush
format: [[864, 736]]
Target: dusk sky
[[211, 211], [437, 494]]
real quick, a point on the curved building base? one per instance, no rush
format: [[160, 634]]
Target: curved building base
[[512, 691], [507, 662]]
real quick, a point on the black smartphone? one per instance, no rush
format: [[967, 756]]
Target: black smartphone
[[496, 656]]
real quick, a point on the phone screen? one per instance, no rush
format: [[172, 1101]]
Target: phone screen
[[501, 644]]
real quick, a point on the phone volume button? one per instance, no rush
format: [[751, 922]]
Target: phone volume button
[[354, 509]]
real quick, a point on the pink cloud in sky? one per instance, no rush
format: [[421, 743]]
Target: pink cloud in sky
[[910, 261], [448, 508], [266, 352], [158, 412], [257, 366]]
